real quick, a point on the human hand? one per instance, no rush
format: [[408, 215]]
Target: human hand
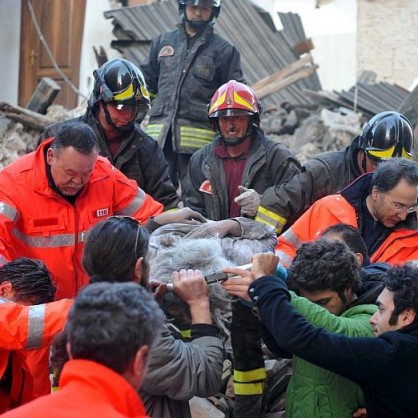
[[249, 200], [216, 229], [264, 264], [238, 284], [360, 413], [191, 287], [158, 289], [183, 216]]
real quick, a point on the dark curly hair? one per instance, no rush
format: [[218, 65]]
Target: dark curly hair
[[324, 264], [403, 282]]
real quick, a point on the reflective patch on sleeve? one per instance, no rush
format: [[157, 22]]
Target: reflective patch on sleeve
[[36, 325]]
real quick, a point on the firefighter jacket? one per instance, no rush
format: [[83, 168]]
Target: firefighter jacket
[[321, 176], [269, 163], [184, 80], [87, 389], [139, 158], [401, 245], [37, 222], [26, 328]]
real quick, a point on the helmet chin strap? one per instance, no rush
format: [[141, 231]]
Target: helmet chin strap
[[236, 141], [197, 26], [123, 129]]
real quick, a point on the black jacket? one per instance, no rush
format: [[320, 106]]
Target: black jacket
[[139, 158], [386, 367], [321, 176], [184, 79], [269, 163]]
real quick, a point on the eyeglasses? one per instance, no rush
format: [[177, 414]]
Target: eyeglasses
[[400, 207], [133, 221]]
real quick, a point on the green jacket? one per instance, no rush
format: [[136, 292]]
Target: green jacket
[[314, 392]]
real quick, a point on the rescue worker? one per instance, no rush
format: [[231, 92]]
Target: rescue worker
[[119, 94], [50, 198], [111, 329], [227, 177], [182, 72], [382, 205], [24, 374], [386, 135]]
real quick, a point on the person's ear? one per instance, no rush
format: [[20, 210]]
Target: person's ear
[[407, 316], [49, 155], [140, 363], [6, 289], [68, 348], [139, 272], [374, 193], [360, 258]]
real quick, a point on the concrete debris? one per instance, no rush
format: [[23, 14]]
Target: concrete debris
[[16, 139], [306, 130]]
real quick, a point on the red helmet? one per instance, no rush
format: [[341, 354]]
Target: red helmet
[[233, 99]]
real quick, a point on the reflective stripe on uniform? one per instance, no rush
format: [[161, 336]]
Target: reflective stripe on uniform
[[250, 382], [36, 323], [154, 129], [195, 137], [8, 211], [52, 241], [135, 205], [284, 258], [3, 300], [250, 375], [291, 238], [3, 260], [271, 218]]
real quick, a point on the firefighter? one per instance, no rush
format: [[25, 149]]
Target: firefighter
[[227, 177], [386, 135], [119, 94], [182, 72]]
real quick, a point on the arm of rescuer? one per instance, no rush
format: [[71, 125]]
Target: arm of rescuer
[[195, 366], [283, 204], [131, 200], [30, 327]]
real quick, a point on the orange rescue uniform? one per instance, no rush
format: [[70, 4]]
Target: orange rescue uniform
[[37, 222]]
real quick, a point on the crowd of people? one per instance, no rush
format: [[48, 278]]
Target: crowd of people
[[134, 264]]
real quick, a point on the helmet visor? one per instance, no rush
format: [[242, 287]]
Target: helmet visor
[[230, 112]]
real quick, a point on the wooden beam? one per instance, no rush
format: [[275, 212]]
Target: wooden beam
[[44, 94], [32, 120]]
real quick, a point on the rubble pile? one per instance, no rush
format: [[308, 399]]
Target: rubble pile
[[306, 130]]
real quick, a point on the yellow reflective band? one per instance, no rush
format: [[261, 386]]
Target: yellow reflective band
[[154, 129], [247, 389], [125, 94], [195, 137], [250, 375], [270, 218], [238, 99], [220, 100], [186, 333]]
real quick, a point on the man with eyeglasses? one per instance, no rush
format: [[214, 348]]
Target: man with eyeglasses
[[386, 135], [382, 205]]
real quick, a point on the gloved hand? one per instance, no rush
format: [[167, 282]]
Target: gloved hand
[[249, 200]]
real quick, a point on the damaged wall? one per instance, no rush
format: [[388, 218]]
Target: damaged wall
[[387, 39]]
